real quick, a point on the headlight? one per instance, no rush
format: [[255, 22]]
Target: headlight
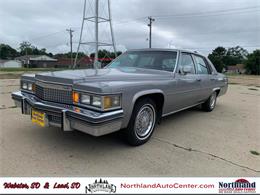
[[85, 99], [96, 101], [24, 85], [27, 86], [30, 86], [107, 102]]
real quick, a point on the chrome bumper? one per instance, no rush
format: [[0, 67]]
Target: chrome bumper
[[70, 117]]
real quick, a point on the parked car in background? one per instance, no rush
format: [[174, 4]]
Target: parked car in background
[[131, 94]]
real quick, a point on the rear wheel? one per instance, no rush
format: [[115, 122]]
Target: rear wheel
[[142, 122], [210, 104]]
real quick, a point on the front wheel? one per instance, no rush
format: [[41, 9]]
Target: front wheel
[[210, 104], [142, 122]]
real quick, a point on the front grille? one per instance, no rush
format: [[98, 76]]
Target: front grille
[[53, 93], [54, 119]]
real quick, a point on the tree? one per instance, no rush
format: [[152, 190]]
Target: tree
[[222, 58], [27, 48], [235, 55], [253, 62], [217, 58], [7, 52], [105, 54]]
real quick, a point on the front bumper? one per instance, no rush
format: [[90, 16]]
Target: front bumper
[[70, 117]]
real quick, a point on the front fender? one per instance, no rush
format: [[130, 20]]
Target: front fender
[[135, 97], [145, 92]]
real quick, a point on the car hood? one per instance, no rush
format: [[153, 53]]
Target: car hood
[[102, 75]]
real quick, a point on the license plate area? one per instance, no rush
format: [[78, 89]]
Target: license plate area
[[38, 117]]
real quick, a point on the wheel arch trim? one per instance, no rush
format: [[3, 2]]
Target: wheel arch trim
[[136, 96], [216, 89], [147, 92]]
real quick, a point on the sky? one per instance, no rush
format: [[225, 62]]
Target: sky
[[199, 25]]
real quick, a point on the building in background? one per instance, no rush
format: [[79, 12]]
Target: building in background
[[84, 62], [10, 64], [238, 69], [37, 61]]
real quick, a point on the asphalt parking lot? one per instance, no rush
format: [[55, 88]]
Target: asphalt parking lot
[[190, 143]]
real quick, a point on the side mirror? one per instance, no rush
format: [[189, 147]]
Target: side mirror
[[186, 69]]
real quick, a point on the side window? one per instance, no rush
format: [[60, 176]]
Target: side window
[[186, 60], [201, 65], [209, 66], [129, 60], [169, 63], [145, 61]]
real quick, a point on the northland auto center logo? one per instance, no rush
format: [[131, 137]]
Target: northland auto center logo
[[239, 186], [101, 186]]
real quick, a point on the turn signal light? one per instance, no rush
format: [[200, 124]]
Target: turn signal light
[[33, 87], [107, 102], [75, 97]]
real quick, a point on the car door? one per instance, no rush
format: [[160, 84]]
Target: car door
[[187, 90], [205, 77]]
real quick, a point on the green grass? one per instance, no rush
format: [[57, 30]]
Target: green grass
[[254, 152], [29, 69], [236, 74]]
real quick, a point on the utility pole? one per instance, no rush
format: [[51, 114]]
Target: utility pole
[[71, 35], [151, 20], [27, 45]]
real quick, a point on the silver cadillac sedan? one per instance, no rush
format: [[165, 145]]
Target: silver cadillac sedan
[[132, 94]]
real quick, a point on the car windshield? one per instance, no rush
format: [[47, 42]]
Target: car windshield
[[158, 60]]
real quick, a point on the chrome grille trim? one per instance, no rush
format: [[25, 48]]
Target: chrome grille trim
[[53, 92], [53, 86]]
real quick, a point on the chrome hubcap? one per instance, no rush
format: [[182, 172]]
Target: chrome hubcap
[[145, 120], [212, 100]]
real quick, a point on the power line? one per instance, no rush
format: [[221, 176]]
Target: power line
[[185, 15], [55, 45], [131, 20], [256, 31], [47, 35], [197, 14], [205, 48], [208, 13], [160, 17], [205, 16]]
